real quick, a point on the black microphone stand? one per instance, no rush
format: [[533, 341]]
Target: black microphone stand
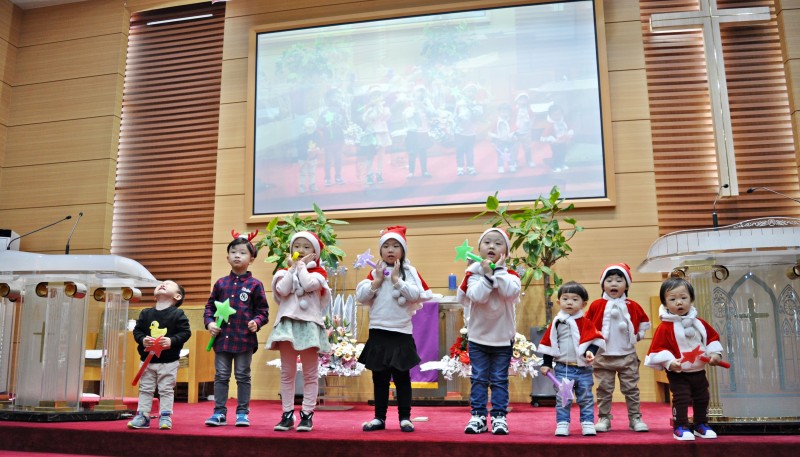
[[8, 248]]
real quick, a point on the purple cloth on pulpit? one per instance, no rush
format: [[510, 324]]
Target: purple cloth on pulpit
[[426, 336]]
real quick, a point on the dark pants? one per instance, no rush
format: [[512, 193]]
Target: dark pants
[[689, 388], [465, 153], [380, 385]]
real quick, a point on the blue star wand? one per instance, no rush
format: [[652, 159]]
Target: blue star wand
[[364, 259]]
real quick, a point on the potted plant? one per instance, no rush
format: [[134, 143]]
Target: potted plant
[[280, 230], [543, 240]]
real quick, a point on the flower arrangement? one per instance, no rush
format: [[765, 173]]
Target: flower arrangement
[[524, 361], [343, 358]]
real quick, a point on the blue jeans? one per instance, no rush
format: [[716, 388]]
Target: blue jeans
[[583, 391], [222, 364], [489, 369]]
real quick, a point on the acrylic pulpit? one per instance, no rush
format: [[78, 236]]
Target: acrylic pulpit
[[746, 280], [44, 301]]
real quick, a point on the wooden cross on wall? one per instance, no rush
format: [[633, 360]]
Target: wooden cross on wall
[[708, 19]]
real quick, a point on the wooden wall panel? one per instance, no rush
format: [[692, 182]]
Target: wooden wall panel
[[58, 184], [94, 225], [71, 140], [64, 100], [230, 172], [625, 51], [621, 10], [73, 21], [10, 20], [80, 58], [789, 25], [5, 103], [633, 146], [232, 125], [628, 90], [8, 58], [234, 70]]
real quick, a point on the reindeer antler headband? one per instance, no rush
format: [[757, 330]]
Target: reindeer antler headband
[[249, 236]]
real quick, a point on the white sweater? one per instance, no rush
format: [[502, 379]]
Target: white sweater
[[387, 311], [491, 304]]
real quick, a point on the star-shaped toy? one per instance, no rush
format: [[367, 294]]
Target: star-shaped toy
[[364, 259], [692, 355], [223, 314], [564, 387], [464, 252], [153, 351]]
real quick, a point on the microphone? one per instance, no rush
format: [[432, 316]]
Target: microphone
[[80, 215], [8, 248], [753, 189], [714, 219]]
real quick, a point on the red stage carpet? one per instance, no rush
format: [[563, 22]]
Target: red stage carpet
[[338, 433]]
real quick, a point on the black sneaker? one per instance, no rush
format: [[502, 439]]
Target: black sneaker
[[305, 424], [286, 423]]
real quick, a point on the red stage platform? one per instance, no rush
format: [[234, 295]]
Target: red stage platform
[[338, 433]]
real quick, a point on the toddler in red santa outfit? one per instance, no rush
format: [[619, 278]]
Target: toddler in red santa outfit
[[683, 344], [623, 323]]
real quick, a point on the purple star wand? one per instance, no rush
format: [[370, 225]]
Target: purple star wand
[[564, 388], [365, 259]]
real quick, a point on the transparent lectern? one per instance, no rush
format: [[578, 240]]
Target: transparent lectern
[[746, 283], [43, 314]]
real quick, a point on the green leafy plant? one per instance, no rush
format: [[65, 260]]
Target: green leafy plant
[[537, 230], [280, 230]]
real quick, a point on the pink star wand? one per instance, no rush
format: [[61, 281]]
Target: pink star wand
[[464, 252], [564, 388], [154, 350], [364, 259]]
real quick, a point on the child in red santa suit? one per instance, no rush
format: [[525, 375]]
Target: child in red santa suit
[[569, 346], [623, 323], [683, 344]]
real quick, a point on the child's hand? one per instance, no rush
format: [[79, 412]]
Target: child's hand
[[377, 275], [213, 329], [714, 359], [589, 356], [544, 370], [148, 341], [396, 274], [252, 326], [308, 258], [487, 267], [675, 366], [165, 342]]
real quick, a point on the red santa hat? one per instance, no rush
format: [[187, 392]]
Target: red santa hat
[[312, 238], [502, 232], [395, 232], [623, 267]]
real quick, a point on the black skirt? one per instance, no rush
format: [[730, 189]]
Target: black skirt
[[385, 349]]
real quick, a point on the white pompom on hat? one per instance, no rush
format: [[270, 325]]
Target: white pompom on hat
[[502, 232], [395, 232], [623, 267]]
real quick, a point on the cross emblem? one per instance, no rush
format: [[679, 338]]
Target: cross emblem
[[752, 315], [708, 19]]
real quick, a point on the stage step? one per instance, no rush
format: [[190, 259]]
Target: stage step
[[43, 454]]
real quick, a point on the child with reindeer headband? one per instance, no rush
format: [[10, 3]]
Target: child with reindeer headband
[[235, 341], [301, 291], [394, 291]]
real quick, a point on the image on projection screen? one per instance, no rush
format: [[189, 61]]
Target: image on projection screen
[[443, 109]]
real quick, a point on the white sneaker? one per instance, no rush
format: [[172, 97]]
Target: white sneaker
[[637, 425], [603, 424], [476, 425], [587, 428], [562, 429], [704, 431], [682, 434]]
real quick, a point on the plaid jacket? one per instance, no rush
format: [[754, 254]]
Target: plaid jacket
[[247, 297]]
